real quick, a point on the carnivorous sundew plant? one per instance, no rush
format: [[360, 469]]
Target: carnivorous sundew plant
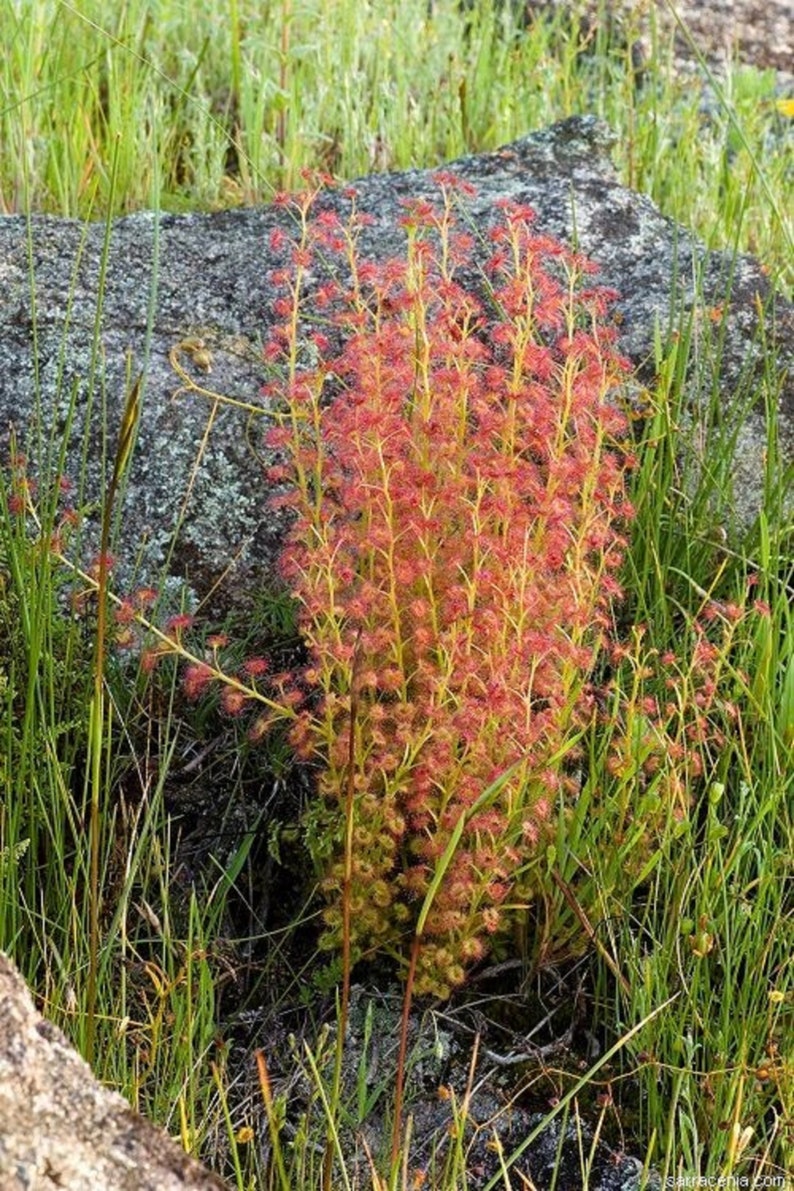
[[456, 472]]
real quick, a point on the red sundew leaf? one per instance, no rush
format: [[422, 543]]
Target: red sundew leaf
[[361, 219], [175, 624], [278, 474], [317, 179], [368, 272], [448, 180], [514, 212], [462, 245], [260, 727], [286, 500], [109, 561], [419, 213], [537, 360], [255, 667], [125, 612], [282, 308], [500, 261], [491, 920], [144, 597], [233, 700], [582, 264], [70, 518], [328, 221], [196, 679], [278, 436], [350, 320], [304, 388], [498, 891], [301, 258], [548, 316], [149, 659], [545, 246], [326, 294]]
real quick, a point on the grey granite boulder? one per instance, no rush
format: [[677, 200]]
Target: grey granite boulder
[[60, 1128], [176, 280]]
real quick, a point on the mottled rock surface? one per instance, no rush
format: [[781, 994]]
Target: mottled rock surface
[[198, 462], [60, 1128]]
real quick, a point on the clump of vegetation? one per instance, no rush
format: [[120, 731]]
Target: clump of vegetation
[[459, 512], [625, 814]]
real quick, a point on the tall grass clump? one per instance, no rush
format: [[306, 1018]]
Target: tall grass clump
[[713, 921], [211, 109], [44, 684], [128, 963]]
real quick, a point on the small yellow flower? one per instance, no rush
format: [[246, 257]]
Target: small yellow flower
[[785, 107], [244, 1136], [776, 996]]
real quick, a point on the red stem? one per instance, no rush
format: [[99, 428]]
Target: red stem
[[399, 1086]]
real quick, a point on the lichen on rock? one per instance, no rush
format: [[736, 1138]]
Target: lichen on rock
[[198, 464]]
